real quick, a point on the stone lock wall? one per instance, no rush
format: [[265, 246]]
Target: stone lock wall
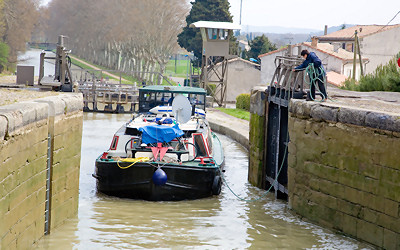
[[25, 131], [256, 174], [344, 170]]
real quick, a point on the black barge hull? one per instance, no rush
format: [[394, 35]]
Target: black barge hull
[[184, 182]]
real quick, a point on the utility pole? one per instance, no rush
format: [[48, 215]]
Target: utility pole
[[240, 20], [355, 55], [359, 56]]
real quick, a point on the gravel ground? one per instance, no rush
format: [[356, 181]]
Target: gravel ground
[[10, 96], [13, 95]]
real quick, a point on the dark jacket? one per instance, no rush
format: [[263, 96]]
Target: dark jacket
[[312, 58]]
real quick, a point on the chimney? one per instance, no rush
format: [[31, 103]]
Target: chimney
[[326, 30], [290, 50], [314, 41]]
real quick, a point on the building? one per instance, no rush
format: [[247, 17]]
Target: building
[[378, 43], [242, 76], [334, 59]]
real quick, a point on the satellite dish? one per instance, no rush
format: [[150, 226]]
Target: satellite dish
[[181, 109]]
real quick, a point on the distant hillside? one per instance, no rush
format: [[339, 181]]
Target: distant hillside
[[276, 29], [332, 29], [282, 36]]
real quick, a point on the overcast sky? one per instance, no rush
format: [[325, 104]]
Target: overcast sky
[[313, 14]]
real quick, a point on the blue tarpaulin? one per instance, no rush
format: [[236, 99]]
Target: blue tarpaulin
[[160, 133]]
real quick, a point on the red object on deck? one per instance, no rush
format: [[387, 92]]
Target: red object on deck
[[104, 156], [159, 150]]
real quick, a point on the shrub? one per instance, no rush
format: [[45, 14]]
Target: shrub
[[384, 78], [243, 102], [4, 51], [211, 88]]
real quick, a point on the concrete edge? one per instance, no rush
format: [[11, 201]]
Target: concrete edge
[[231, 133], [346, 115], [18, 115]]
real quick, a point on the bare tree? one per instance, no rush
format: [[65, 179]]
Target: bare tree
[[133, 36], [20, 17]]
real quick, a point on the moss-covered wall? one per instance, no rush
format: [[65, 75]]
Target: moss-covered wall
[[256, 173], [24, 131], [344, 170]]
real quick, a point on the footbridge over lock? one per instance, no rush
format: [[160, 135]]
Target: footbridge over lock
[[336, 161]]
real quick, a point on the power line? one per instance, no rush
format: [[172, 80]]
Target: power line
[[390, 20]]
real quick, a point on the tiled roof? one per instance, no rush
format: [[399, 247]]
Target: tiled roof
[[272, 52], [243, 60], [239, 59], [363, 30], [335, 78], [328, 49]]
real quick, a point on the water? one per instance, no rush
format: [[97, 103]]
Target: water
[[221, 222], [31, 57]]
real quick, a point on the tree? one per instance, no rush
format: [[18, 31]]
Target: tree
[[139, 39], [202, 10], [17, 19], [258, 46], [20, 17], [4, 50]]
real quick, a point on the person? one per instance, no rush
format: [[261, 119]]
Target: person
[[311, 57]]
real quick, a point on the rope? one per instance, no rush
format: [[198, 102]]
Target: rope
[[215, 136], [132, 160], [314, 76]]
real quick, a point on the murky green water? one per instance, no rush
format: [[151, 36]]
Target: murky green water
[[221, 222]]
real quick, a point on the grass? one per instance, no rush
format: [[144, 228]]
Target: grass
[[129, 78], [238, 113], [181, 68]]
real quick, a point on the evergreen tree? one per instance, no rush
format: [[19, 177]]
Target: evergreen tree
[[258, 46], [202, 10]]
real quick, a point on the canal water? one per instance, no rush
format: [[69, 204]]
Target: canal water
[[219, 222], [31, 57]]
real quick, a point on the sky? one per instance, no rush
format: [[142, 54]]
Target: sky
[[313, 14]]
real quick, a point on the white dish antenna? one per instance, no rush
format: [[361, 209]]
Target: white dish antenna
[[181, 109]]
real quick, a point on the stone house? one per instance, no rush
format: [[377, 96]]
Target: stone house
[[378, 43], [336, 60], [242, 76]]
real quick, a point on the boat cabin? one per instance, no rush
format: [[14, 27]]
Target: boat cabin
[[161, 95]]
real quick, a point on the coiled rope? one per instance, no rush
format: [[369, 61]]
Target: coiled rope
[[314, 76]]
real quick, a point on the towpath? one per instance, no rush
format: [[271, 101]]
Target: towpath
[[233, 127], [97, 68]]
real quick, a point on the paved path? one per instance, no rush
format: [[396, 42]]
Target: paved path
[[233, 127], [388, 102]]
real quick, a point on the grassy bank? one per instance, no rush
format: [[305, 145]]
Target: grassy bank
[[238, 113], [129, 79], [177, 68]]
